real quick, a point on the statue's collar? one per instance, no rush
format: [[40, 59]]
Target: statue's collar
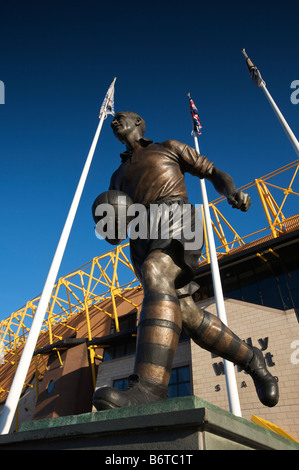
[[144, 142]]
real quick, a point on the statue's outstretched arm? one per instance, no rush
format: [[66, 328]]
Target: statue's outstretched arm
[[224, 185]]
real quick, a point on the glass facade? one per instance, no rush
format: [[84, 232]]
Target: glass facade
[[120, 384], [124, 346], [126, 322], [272, 281], [179, 383], [121, 349], [280, 291], [127, 346]]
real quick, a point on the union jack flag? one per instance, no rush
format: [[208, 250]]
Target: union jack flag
[[195, 118]]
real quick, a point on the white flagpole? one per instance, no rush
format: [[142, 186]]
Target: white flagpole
[[230, 376], [260, 83], [13, 397]]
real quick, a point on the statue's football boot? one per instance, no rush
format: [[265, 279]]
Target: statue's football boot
[[139, 391], [265, 384]]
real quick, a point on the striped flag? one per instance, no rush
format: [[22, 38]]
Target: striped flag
[[195, 118]]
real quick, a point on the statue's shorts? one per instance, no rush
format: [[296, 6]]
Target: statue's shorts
[[173, 226]]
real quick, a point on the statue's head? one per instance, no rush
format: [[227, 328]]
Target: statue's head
[[127, 123]]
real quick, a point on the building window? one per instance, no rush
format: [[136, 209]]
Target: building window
[[121, 349], [121, 384], [279, 291], [274, 283], [126, 322], [179, 383], [125, 346]]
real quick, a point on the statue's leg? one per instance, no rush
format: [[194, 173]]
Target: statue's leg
[[209, 332], [160, 319], [159, 330]]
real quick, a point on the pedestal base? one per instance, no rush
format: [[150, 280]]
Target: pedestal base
[[177, 425]]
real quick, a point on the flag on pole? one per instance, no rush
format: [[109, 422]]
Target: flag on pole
[[260, 83], [253, 71], [195, 117], [108, 103]]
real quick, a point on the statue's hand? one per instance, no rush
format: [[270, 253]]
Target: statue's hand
[[240, 200]]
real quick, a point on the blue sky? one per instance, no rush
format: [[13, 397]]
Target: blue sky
[[57, 59]]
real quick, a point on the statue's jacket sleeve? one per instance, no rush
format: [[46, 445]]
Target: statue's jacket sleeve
[[190, 160], [156, 171]]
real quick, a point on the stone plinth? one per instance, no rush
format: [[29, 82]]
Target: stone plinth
[[179, 424]]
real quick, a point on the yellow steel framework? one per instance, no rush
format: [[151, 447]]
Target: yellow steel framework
[[108, 276], [111, 276], [272, 205], [76, 292]]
